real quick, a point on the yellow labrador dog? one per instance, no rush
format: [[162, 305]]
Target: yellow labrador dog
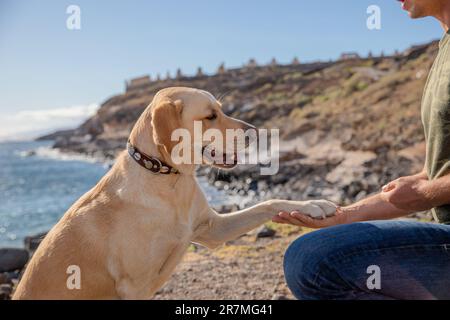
[[124, 237]]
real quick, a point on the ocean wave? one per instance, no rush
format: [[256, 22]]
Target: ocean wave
[[48, 152]]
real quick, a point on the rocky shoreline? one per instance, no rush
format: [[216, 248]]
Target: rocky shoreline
[[13, 262]]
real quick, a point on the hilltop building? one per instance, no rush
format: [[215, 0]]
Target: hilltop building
[[349, 56], [179, 73], [252, 63], [221, 69], [200, 72], [273, 62], [138, 83]]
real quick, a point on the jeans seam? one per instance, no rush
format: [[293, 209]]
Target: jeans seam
[[323, 262], [354, 291]]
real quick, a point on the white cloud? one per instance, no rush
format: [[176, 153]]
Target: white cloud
[[29, 124]]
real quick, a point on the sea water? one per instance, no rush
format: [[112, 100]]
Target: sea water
[[38, 184]]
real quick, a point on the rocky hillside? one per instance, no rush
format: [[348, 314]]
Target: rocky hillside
[[347, 126]]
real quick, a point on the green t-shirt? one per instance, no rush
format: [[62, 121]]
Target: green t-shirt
[[436, 121]]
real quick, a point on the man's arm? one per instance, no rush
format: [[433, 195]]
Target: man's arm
[[419, 196], [438, 191], [372, 208], [398, 198]]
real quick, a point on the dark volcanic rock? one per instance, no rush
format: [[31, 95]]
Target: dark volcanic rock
[[5, 291], [32, 242], [12, 259], [265, 232]]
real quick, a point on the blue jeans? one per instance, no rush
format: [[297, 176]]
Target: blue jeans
[[371, 260]]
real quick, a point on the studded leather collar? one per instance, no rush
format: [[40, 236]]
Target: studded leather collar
[[148, 162]]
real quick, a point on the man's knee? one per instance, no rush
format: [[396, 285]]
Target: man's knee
[[310, 265], [302, 262]]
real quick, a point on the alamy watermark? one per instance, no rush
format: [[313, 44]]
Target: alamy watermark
[[73, 21], [237, 147], [374, 280], [73, 281], [373, 22]]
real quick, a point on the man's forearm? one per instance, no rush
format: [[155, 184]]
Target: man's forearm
[[372, 208], [378, 207], [438, 191]]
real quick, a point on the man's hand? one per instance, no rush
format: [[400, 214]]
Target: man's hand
[[408, 193], [302, 220]]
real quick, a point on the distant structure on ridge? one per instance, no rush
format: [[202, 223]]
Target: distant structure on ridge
[[221, 69], [200, 72], [252, 63], [138, 83], [349, 56], [273, 62], [179, 73]]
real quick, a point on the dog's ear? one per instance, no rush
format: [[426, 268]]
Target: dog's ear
[[166, 117]]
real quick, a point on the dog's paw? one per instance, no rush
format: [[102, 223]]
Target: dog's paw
[[318, 209]]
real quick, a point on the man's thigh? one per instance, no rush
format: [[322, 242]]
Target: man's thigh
[[381, 259]]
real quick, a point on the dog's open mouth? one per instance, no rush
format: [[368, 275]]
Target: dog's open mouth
[[219, 159]]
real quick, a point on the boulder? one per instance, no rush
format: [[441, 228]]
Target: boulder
[[9, 277], [265, 232], [12, 259], [32, 242], [5, 291], [4, 278], [279, 297]]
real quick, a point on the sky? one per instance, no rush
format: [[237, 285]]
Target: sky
[[52, 77]]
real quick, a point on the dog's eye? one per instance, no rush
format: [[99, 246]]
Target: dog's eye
[[212, 117]]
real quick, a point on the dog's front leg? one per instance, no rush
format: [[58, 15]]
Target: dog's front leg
[[219, 228]]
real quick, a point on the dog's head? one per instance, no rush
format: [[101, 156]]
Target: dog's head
[[190, 124]]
